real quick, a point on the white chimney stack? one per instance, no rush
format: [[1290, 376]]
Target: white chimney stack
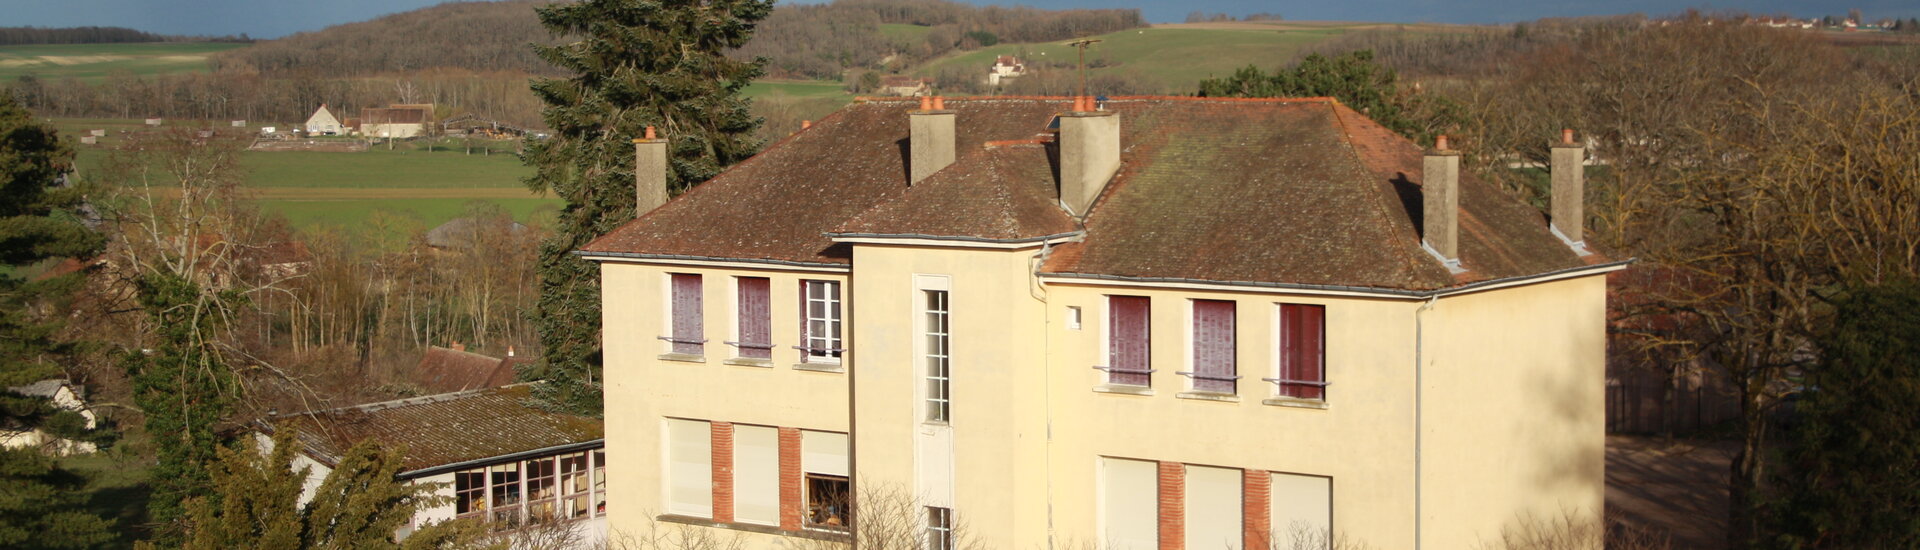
[[649, 173], [930, 139], [1089, 154], [1440, 192]]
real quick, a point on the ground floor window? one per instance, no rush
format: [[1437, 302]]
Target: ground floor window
[[827, 501], [939, 528], [514, 494]]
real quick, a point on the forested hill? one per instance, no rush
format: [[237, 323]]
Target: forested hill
[[10, 36], [799, 41]]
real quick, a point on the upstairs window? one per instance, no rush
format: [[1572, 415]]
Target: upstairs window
[[754, 318], [939, 528], [1213, 346], [820, 323], [1128, 341], [688, 335], [1303, 352]]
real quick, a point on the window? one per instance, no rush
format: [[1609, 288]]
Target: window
[[939, 528], [754, 322], [1303, 352], [543, 490], [939, 364], [504, 480], [689, 337], [820, 326], [689, 468], [600, 483], [1302, 508], [1128, 339], [575, 500], [1130, 504], [1073, 317], [1213, 507], [827, 501], [470, 493], [1213, 351]]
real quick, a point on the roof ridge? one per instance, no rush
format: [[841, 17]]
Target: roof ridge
[[404, 402]]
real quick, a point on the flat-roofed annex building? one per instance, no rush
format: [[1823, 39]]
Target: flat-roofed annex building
[[1137, 323]]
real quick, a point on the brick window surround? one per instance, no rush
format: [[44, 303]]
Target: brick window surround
[[1173, 505]]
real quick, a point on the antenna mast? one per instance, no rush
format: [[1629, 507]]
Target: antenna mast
[[1081, 45]]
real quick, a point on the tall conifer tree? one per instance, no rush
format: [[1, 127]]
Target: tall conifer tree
[[637, 63]]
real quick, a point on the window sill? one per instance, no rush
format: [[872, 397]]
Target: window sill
[[683, 357], [1209, 396], [814, 533], [821, 367], [749, 362], [1295, 402], [1124, 389]]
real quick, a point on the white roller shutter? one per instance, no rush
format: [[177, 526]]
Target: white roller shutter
[[1213, 508], [1130, 504], [1302, 509], [689, 468], [823, 453], [756, 474]]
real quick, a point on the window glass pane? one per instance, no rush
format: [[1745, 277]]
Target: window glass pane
[[827, 501]]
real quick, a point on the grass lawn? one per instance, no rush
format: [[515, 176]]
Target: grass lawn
[[379, 168], [116, 489], [94, 62], [904, 34], [1181, 58]]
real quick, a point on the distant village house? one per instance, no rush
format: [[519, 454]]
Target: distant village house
[[399, 121], [66, 396], [905, 86], [1005, 67], [323, 123]]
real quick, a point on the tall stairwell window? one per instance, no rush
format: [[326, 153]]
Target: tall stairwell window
[[1213, 347], [938, 363], [1128, 341], [820, 322], [688, 336], [1303, 352]]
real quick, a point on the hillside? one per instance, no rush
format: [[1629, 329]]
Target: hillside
[[93, 62]]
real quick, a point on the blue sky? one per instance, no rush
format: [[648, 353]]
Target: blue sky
[[275, 18]]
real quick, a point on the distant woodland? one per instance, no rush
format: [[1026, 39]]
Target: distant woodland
[[10, 36]]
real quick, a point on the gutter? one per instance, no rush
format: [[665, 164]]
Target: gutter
[[591, 255], [1379, 292], [556, 449], [841, 237]]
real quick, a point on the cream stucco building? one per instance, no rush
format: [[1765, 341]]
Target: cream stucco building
[[1144, 323]]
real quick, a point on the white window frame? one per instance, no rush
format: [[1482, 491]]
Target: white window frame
[[939, 528], [922, 284], [832, 302], [937, 364]]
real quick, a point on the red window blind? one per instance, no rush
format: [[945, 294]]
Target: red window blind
[[688, 335], [1303, 351], [1128, 340], [756, 318], [1213, 353]]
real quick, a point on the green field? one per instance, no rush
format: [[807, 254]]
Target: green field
[[904, 34], [1180, 57], [380, 168], [799, 89], [94, 62], [352, 213]]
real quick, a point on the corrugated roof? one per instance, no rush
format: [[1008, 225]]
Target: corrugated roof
[[1285, 191], [440, 430]]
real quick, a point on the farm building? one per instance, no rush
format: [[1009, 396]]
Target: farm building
[[323, 123], [477, 126], [905, 86], [499, 460], [399, 121], [1005, 67], [452, 369]]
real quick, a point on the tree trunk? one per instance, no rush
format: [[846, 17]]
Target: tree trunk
[[1743, 485]]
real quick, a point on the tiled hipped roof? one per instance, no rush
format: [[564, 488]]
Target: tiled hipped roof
[[440, 430], [1284, 191]]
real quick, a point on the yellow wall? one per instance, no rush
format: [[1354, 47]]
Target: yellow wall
[[1512, 400], [642, 388]]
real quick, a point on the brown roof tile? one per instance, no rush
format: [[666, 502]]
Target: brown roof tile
[[440, 430], [998, 193], [444, 370], [1291, 191]]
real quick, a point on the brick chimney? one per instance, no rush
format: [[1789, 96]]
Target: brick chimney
[[930, 139], [1440, 189], [1089, 154], [1569, 190], [649, 173]]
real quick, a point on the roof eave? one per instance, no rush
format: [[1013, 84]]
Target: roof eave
[[1374, 292], [953, 240]]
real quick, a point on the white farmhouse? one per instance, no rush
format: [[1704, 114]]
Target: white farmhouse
[[323, 122]]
